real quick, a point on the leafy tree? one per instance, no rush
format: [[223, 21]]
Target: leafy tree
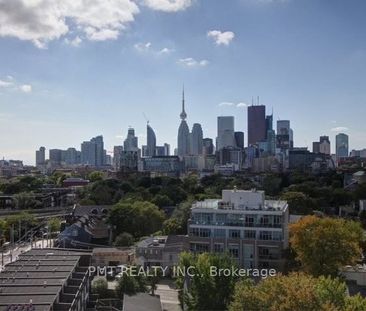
[[296, 291], [323, 245], [100, 287], [54, 224], [172, 226], [26, 200], [130, 285], [124, 239], [272, 185], [298, 202], [206, 291], [162, 200], [137, 218], [95, 176]]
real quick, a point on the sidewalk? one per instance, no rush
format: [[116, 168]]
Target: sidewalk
[[168, 295]]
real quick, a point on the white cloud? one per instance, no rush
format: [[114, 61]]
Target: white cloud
[[41, 21], [191, 62], [226, 104], [10, 83], [5, 84], [26, 88], [142, 47], [74, 42], [221, 38], [165, 51], [168, 5], [240, 105], [339, 129]]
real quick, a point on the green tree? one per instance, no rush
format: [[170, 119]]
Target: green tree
[[54, 224], [26, 200], [162, 200], [137, 218], [298, 202], [95, 176], [323, 245], [124, 239], [130, 285], [206, 290], [172, 226], [100, 288], [296, 291]]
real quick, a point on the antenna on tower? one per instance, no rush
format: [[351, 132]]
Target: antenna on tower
[[257, 100], [146, 118], [252, 101]]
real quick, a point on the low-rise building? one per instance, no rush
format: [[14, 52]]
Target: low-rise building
[[253, 230], [46, 279], [161, 250]]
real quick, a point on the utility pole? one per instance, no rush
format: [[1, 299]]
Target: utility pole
[[11, 242]]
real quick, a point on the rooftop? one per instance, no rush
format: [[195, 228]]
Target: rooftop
[[38, 276]]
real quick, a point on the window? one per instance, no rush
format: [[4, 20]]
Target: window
[[277, 236], [219, 248], [205, 233], [199, 247], [234, 250], [221, 219], [249, 220], [219, 233], [249, 234], [265, 235], [234, 234]]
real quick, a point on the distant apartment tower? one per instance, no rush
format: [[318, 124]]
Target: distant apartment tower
[[40, 156], [163, 150], [72, 156], [183, 133], [284, 137], [342, 145], [322, 146], [225, 132], [88, 153], [131, 141], [256, 124], [208, 147], [254, 231], [99, 150], [196, 139], [239, 139], [55, 156], [150, 141], [117, 153]]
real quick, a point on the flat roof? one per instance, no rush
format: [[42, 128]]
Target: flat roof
[[37, 277]]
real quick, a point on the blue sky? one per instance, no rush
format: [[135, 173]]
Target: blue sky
[[72, 71]]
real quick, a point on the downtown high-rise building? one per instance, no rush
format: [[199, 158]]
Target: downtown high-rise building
[[256, 124], [208, 146], [41, 156], [196, 140], [92, 152], [225, 132], [183, 133], [239, 139], [342, 145], [99, 150], [322, 146], [150, 142], [131, 141]]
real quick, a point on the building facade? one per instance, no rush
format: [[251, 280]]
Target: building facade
[[254, 231], [256, 124]]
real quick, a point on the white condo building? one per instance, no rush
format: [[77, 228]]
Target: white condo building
[[254, 231]]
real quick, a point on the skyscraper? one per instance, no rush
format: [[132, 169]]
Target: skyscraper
[[196, 139], [225, 132], [117, 153], [283, 135], [208, 147], [55, 156], [256, 124], [88, 153], [99, 150], [131, 141], [239, 139], [151, 141], [342, 145], [183, 133], [40, 156]]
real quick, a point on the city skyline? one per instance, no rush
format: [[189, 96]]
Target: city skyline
[[306, 59]]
